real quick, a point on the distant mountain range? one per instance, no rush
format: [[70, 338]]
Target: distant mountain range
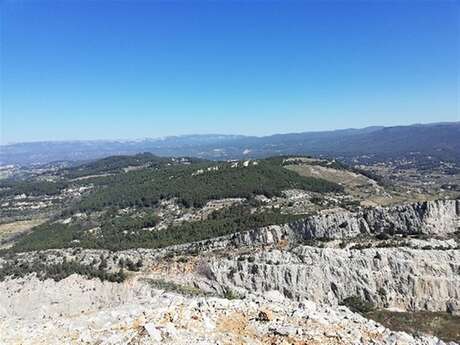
[[440, 141]]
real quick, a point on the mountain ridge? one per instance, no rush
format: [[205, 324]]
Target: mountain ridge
[[440, 140]]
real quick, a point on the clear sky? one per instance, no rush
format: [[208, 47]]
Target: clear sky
[[132, 69]]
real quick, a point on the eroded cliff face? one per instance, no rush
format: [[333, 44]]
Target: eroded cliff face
[[400, 278], [33, 299], [394, 278]]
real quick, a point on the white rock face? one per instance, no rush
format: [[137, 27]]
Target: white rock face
[[397, 278], [153, 317], [153, 332], [440, 218], [35, 299], [431, 217]]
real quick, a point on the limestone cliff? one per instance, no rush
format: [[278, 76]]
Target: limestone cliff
[[440, 218], [394, 278]]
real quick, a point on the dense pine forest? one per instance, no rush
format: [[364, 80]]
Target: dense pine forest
[[196, 184], [120, 208]]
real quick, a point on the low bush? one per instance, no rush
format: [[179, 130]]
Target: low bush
[[358, 305], [57, 271], [184, 290]]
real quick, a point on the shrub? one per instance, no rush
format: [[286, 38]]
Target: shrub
[[174, 287], [357, 305], [58, 271], [139, 263], [230, 294]]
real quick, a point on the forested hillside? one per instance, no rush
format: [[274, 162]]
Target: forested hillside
[[195, 185], [124, 232], [116, 208]]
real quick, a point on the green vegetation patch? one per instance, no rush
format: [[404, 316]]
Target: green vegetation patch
[[191, 184], [440, 324], [185, 290], [358, 305], [114, 164], [49, 236], [194, 185], [31, 187], [125, 232], [57, 271], [219, 223]]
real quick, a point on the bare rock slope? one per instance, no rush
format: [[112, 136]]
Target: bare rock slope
[[399, 278], [395, 278], [138, 314]]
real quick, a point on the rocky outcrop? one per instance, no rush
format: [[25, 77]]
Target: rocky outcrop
[[436, 218], [394, 278], [33, 299], [439, 217], [156, 317]]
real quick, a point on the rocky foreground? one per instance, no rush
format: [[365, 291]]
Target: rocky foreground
[[81, 311]]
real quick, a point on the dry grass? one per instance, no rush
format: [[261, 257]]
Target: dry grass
[[359, 186], [441, 324], [9, 231], [346, 178]]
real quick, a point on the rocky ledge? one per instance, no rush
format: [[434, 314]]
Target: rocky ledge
[[142, 315]]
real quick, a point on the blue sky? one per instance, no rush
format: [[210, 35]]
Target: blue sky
[[106, 69]]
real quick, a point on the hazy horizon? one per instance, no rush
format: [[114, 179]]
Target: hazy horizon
[[178, 134], [224, 134]]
